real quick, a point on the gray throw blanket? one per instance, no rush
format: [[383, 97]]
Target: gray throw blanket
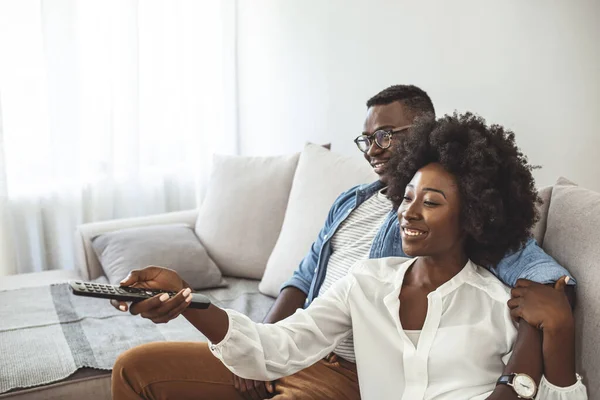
[[46, 333]]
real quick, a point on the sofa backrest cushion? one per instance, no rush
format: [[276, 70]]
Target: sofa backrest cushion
[[572, 239], [321, 176], [539, 229], [240, 218]]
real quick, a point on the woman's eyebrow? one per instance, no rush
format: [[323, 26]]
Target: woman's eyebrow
[[427, 189]]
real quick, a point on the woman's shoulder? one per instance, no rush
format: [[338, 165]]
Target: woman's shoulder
[[484, 280]]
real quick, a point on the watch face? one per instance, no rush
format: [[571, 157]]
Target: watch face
[[524, 386]]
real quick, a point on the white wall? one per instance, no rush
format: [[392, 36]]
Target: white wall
[[306, 69]]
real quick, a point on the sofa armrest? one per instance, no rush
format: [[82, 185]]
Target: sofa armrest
[[87, 262]]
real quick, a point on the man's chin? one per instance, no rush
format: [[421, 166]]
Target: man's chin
[[380, 170], [382, 176]]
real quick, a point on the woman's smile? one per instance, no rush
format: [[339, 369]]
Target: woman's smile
[[413, 233]]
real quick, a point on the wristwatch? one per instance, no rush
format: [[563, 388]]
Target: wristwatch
[[523, 385]]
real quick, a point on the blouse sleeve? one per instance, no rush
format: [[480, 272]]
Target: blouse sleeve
[[548, 391], [270, 351]]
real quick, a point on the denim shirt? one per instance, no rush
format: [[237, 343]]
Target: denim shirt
[[531, 262]]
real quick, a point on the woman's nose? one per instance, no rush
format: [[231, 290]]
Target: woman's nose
[[410, 212]]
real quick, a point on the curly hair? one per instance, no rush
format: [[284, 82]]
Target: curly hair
[[496, 187], [414, 98]]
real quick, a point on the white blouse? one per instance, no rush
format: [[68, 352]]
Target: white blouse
[[462, 349]]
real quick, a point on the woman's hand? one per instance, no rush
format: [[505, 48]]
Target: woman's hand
[[547, 308], [541, 306], [160, 308]]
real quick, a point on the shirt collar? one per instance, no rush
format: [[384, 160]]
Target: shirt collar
[[463, 275], [368, 190]]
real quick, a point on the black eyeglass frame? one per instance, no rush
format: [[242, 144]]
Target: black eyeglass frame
[[372, 138]]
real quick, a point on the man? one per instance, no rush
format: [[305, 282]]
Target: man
[[361, 224]]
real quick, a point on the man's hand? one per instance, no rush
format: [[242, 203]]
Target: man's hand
[[253, 390], [547, 308], [544, 307], [159, 309]]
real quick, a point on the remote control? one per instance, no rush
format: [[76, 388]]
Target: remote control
[[126, 293]]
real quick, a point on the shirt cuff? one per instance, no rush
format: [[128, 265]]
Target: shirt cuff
[[577, 385], [217, 348], [298, 283]]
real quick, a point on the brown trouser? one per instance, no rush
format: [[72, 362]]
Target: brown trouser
[[179, 371]]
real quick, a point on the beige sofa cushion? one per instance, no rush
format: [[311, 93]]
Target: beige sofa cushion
[[572, 239], [87, 261], [241, 216], [173, 246], [320, 177], [539, 229]]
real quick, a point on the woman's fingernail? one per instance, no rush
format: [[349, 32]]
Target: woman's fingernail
[[122, 308], [164, 297], [186, 292], [189, 298], [567, 279]]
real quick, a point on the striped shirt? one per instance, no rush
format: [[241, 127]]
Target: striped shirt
[[351, 243]]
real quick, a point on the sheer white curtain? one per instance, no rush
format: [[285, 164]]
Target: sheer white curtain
[[108, 109]]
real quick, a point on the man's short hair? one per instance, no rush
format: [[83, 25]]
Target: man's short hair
[[414, 98]]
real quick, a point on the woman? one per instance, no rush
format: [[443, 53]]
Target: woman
[[434, 327]]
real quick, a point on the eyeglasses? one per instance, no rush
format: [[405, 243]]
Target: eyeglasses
[[381, 137]]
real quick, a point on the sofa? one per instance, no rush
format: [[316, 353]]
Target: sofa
[[259, 218]]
